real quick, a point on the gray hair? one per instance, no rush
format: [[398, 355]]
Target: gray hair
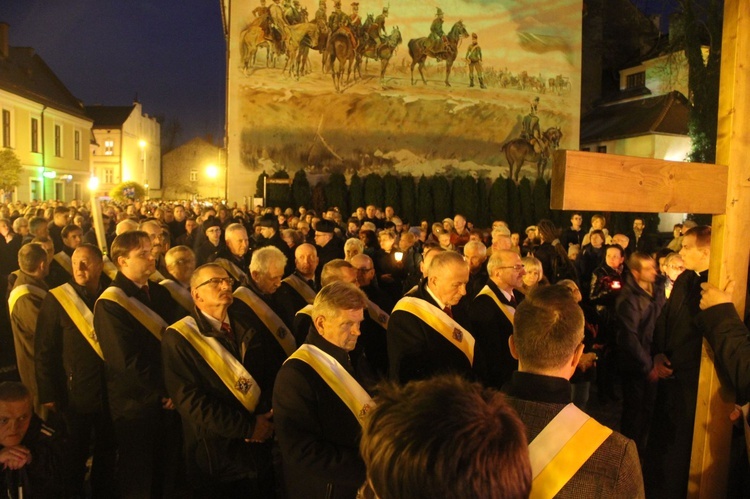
[[266, 257]]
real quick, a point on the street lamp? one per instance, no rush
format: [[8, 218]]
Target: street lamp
[[212, 171], [142, 144], [93, 184]]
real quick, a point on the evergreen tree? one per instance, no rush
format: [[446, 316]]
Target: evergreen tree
[[409, 199], [527, 203], [424, 200], [391, 194], [441, 198], [374, 190], [337, 194], [499, 199], [356, 192], [301, 191]]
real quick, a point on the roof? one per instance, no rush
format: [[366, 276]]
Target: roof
[[109, 116], [665, 114], [25, 74]]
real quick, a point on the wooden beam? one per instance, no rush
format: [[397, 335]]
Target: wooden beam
[[607, 182], [729, 250]]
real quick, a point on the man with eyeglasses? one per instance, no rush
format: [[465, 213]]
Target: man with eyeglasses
[[225, 413], [61, 268], [255, 309], [424, 337], [180, 262], [211, 241], [492, 313], [129, 319]]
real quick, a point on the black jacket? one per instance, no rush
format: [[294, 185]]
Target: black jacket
[[214, 423], [135, 383], [416, 351], [332, 250], [290, 301], [318, 434], [68, 370], [491, 330]]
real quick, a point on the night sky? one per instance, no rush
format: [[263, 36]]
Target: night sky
[[171, 53]]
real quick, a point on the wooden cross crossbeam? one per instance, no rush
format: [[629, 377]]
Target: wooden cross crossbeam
[[590, 181]]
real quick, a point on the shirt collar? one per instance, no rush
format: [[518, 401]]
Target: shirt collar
[[440, 304]]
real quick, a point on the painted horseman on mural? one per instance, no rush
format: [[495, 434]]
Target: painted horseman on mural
[[438, 45], [533, 145]]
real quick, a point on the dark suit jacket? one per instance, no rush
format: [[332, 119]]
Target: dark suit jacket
[[613, 471], [491, 328], [416, 351], [135, 382], [215, 424], [318, 434], [68, 370], [290, 302]]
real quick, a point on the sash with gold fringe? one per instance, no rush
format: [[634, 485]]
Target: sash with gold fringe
[[23, 290], [147, 317], [337, 378], [63, 259], [179, 293], [441, 322], [301, 287], [79, 313], [562, 447], [507, 310], [230, 370], [268, 317]]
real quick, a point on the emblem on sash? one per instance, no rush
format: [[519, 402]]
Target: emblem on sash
[[93, 336], [243, 384], [458, 335], [365, 409], [281, 333], [382, 318]]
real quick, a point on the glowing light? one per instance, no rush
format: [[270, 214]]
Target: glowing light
[[49, 174], [93, 183], [142, 143], [212, 171]]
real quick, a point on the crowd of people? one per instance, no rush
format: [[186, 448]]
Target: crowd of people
[[197, 350]]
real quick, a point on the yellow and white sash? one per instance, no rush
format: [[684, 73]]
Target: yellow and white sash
[[147, 317], [301, 287], [269, 318], [233, 270], [507, 310], [156, 277], [337, 378], [562, 447], [230, 370], [109, 268], [64, 260], [180, 294], [307, 310], [79, 313], [23, 290], [441, 322], [377, 314]]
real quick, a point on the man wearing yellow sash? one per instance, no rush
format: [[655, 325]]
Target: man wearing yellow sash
[[269, 341], [234, 256], [571, 454], [61, 269], [319, 401], [159, 245], [25, 298], [377, 315], [129, 318], [70, 373], [180, 262], [299, 289], [491, 315], [423, 337], [226, 416]]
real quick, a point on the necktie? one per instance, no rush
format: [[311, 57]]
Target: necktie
[[513, 301], [144, 288], [448, 311], [227, 329]]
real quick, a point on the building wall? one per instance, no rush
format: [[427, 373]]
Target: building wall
[[185, 171], [47, 174], [129, 161]]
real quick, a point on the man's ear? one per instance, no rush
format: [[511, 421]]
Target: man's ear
[[318, 322], [577, 356], [512, 345]]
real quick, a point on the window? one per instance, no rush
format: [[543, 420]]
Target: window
[[636, 80], [109, 176], [193, 175], [586, 149], [109, 147], [77, 135], [34, 135], [77, 191], [6, 128], [58, 141], [35, 189], [601, 149], [59, 191]]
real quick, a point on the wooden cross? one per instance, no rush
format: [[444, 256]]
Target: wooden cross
[[605, 182]]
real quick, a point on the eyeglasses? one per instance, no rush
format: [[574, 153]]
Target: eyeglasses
[[676, 267], [514, 267], [216, 281], [364, 270]]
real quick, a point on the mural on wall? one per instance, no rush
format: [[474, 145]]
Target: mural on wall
[[490, 86]]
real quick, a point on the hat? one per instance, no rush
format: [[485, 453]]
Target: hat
[[211, 222], [385, 10], [439, 12], [355, 4], [266, 221], [530, 228], [473, 35], [325, 226]]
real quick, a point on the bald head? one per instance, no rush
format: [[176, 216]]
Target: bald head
[[306, 260], [365, 269]]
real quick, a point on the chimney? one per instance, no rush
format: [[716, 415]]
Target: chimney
[[4, 44]]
